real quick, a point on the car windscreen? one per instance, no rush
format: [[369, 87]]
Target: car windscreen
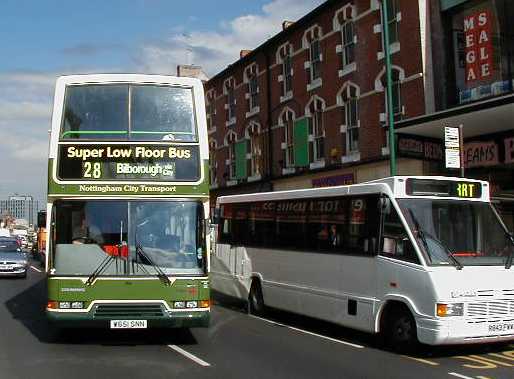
[[8, 246]]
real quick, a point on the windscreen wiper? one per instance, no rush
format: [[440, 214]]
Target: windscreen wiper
[[508, 262], [160, 274], [422, 236], [101, 268]]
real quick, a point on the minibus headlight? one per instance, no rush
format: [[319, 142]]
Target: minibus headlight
[[450, 309]]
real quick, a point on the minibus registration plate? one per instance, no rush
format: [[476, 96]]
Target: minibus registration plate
[[501, 327], [128, 324]]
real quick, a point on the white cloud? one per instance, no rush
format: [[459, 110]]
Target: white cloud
[[215, 50]]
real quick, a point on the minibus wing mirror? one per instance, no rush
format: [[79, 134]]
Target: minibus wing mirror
[[384, 205]]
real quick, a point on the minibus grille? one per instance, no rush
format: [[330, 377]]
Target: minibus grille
[[113, 311], [490, 308]]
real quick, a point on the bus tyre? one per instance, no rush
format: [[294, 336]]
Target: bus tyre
[[255, 299], [400, 331]]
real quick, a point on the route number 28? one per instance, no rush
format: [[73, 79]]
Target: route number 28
[[92, 170]]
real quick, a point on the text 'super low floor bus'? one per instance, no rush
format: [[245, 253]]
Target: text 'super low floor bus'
[[416, 258], [128, 203]]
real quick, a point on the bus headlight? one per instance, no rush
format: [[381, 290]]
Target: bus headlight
[[450, 309], [64, 305], [191, 304], [77, 305], [179, 304]]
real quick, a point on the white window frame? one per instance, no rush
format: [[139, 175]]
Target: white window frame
[[315, 59], [287, 68], [289, 139], [351, 127], [318, 132], [348, 44]]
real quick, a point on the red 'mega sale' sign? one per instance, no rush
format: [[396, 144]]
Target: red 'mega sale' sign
[[479, 45]]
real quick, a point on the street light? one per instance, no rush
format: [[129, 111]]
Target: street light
[[390, 115]]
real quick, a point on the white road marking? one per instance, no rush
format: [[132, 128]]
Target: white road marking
[[310, 333], [460, 375], [426, 361], [35, 269], [189, 355]]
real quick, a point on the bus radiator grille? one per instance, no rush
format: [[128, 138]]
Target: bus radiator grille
[[143, 311], [491, 308]]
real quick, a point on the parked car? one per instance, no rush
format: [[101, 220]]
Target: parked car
[[13, 261]]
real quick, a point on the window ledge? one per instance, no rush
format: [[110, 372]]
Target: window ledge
[[286, 97], [212, 130], [393, 48], [254, 178], [288, 170], [253, 112], [349, 68], [385, 150], [231, 122], [352, 157], [213, 186], [317, 164], [314, 84], [231, 183]]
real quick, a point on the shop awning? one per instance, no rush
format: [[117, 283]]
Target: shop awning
[[485, 117]]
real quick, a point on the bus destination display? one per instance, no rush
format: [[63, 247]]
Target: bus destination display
[[158, 163], [428, 187]]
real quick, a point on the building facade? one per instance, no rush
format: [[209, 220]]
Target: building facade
[[472, 48], [18, 207], [307, 108]]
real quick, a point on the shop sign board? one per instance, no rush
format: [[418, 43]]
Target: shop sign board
[[478, 46], [451, 144], [480, 154]]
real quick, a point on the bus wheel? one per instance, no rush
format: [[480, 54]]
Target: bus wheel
[[400, 331], [255, 299]]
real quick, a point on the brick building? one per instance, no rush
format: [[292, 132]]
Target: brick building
[[308, 108]]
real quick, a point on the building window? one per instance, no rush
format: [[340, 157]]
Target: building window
[[348, 38], [287, 73], [231, 101], [319, 136], [212, 164], [253, 89], [396, 90], [232, 160], [210, 112], [256, 153], [315, 58], [393, 8], [288, 121], [352, 125], [230, 105]]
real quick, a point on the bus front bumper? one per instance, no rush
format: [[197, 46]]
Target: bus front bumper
[[193, 319], [460, 331]]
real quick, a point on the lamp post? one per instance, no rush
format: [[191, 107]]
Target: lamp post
[[390, 115]]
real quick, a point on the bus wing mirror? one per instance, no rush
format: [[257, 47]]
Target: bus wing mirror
[[384, 205]]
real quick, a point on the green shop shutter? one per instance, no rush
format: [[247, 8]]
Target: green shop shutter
[[301, 142], [241, 160]]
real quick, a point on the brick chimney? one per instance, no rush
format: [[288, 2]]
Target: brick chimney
[[244, 53], [286, 24]]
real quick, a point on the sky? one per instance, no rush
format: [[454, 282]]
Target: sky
[[43, 39]]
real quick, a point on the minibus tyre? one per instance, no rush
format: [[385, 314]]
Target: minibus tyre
[[401, 333], [255, 299]]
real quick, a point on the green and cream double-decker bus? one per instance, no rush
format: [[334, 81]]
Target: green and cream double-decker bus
[[128, 203]]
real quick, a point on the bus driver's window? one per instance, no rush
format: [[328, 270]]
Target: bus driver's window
[[395, 242]]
